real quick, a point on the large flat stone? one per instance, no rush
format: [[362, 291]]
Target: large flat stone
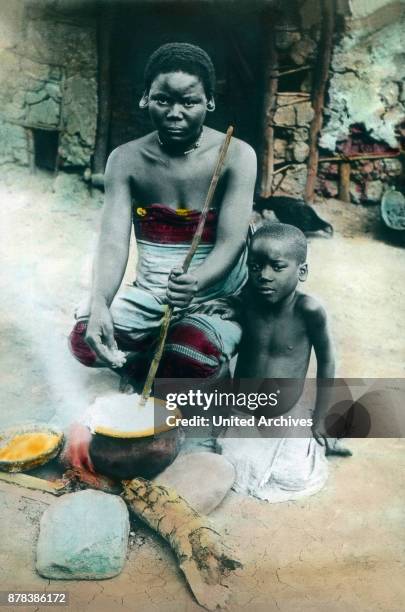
[[83, 536], [203, 479]]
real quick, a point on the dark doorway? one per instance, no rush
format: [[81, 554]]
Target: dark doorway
[[46, 148], [233, 39]]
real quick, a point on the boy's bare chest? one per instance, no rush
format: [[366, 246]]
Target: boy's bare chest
[[276, 336]]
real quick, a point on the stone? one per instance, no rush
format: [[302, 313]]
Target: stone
[[284, 99], [390, 93], [367, 168], [285, 38], [374, 191], [289, 154], [285, 116], [44, 113], [330, 169], [65, 43], [301, 134], [280, 147], [356, 194], [306, 84], [33, 97], [203, 479], [303, 50], [330, 188], [300, 151], [393, 167], [294, 182], [14, 144], [83, 536], [10, 26], [305, 113], [366, 70], [53, 91], [73, 151], [78, 138]]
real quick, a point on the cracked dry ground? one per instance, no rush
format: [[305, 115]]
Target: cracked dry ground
[[340, 550]]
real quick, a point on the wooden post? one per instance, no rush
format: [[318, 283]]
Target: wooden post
[[269, 108], [321, 74], [104, 37], [344, 181]]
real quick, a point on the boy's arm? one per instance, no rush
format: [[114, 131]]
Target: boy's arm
[[320, 336], [111, 256], [232, 228], [229, 308]]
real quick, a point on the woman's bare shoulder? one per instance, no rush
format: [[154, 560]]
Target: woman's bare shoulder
[[122, 159], [239, 150]]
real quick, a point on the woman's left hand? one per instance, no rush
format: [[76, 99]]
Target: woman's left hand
[[181, 288]]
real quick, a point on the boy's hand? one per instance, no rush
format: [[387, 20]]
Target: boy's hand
[[181, 288], [332, 445], [335, 447], [319, 433], [100, 336]]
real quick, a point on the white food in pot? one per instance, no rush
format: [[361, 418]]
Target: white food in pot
[[125, 415]]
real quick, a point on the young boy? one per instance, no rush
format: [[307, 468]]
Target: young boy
[[159, 183], [280, 327]]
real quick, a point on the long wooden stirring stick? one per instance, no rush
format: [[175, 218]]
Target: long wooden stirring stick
[[147, 388]]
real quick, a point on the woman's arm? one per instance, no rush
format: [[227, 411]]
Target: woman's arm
[[232, 228], [111, 256]]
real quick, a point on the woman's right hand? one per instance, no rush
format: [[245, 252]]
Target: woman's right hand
[[100, 336]]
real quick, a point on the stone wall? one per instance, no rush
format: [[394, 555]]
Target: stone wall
[[365, 107], [366, 92], [367, 86], [48, 80], [296, 51]]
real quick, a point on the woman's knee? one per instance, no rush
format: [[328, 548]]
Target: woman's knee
[[191, 353], [79, 347]]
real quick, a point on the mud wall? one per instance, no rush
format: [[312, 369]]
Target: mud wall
[[48, 64]]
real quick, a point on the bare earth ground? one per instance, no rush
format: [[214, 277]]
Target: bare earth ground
[[340, 550]]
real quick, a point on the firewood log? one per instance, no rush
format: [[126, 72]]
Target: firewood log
[[203, 557]]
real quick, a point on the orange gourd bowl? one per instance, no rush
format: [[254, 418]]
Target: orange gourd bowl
[[25, 447]]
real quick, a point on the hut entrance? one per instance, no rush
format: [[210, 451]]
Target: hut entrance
[[233, 40], [45, 148]]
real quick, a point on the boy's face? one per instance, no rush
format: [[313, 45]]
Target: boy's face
[[274, 271], [177, 106]]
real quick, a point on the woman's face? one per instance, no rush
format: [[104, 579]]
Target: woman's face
[[177, 105]]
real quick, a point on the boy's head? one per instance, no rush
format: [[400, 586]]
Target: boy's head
[[179, 90], [277, 261]]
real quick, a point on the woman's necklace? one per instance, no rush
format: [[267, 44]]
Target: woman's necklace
[[193, 148]]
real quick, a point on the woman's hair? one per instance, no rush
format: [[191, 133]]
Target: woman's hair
[[183, 57]]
